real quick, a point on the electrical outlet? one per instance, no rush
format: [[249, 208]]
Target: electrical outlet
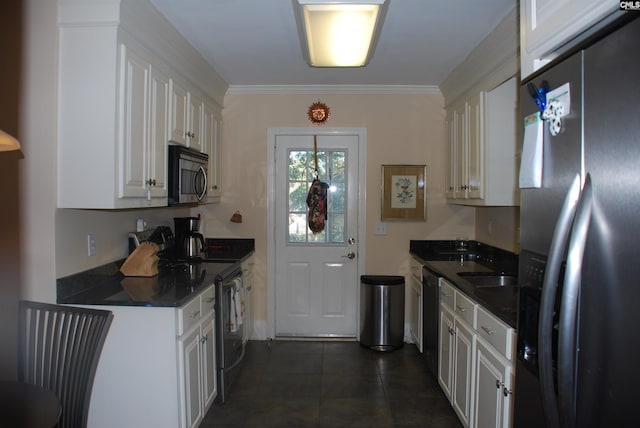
[[91, 245], [380, 228]]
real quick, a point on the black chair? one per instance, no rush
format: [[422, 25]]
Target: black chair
[[59, 350]]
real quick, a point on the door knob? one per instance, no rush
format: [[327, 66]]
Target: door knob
[[350, 255]]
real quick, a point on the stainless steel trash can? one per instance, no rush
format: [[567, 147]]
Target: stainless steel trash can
[[381, 312]]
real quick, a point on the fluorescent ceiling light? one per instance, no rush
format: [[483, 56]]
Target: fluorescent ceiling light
[[7, 142], [339, 33]]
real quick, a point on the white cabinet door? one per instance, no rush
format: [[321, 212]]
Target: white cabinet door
[[178, 119], [186, 111], [133, 133], [445, 351], [195, 110], [211, 140], [493, 388], [475, 147], [143, 133], [189, 348], [209, 376], [483, 144], [461, 156], [450, 179], [158, 135], [464, 344], [547, 25]]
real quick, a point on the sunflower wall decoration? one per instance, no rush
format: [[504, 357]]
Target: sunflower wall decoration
[[318, 113]]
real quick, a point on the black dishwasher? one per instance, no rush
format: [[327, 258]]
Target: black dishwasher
[[430, 318]]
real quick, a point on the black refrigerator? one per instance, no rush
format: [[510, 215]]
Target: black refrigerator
[[578, 351]]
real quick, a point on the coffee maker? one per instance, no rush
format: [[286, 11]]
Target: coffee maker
[[189, 243]]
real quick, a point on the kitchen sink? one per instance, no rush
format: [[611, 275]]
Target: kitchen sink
[[489, 279]]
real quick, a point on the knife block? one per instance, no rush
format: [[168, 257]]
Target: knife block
[[143, 261]]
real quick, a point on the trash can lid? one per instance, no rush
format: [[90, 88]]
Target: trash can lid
[[382, 279]]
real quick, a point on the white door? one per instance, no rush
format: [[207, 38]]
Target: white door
[[316, 275]]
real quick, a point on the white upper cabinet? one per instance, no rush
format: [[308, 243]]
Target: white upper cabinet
[[158, 134], [143, 137], [119, 61], [211, 139], [549, 27], [481, 115], [483, 148], [186, 119]]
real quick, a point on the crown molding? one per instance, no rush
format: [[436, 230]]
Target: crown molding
[[334, 89]]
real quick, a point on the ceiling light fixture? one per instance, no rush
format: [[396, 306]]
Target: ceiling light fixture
[[7, 142], [339, 33]]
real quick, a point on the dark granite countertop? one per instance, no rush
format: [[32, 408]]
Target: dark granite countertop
[[443, 259], [174, 285]]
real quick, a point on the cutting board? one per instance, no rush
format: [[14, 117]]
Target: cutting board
[[143, 261]]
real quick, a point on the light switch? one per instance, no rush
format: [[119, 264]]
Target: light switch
[[380, 228]]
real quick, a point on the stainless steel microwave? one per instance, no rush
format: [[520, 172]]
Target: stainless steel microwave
[[187, 176]]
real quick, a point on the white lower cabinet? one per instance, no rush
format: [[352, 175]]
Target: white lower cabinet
[[476, 369], [197, 361], [494, 366], [463, 370], [456, 352], [493, 387], [158, 367]]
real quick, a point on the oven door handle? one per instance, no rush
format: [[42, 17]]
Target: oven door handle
[[548, 299]]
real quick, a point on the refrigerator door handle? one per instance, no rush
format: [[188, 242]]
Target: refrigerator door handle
[[547, 302], [570, 293]]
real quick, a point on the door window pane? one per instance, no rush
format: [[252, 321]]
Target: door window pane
[[331, 170]]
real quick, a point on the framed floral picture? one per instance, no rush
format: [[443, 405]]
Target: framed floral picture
[[404, 193]]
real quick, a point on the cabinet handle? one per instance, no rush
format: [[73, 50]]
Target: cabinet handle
[[488, 330], [195, 314], [451, 331], [461, 308], [204, 339], [506, 392], [151, 182], [215, 186], [498, 384]]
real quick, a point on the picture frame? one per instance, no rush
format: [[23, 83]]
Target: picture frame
[[404, 193]]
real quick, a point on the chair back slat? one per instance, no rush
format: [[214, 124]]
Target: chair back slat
[[59, 350]]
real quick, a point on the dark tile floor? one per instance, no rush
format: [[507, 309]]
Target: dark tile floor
[[333, 384]]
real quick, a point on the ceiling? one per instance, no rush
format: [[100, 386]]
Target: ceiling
[[255, 42]]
